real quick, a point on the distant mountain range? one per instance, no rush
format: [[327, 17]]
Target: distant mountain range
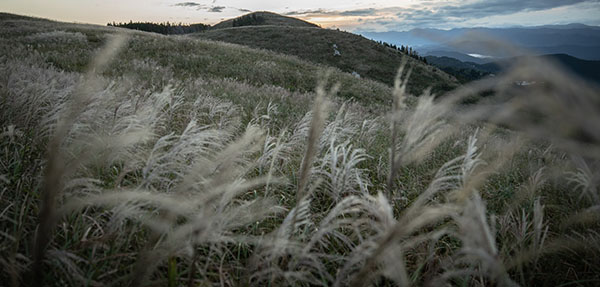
[[489, 44], [467, 71]]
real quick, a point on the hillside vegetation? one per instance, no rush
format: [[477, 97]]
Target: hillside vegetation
[[354, 53], [136, 159]]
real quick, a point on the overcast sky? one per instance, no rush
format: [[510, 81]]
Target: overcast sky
[[368, 15]]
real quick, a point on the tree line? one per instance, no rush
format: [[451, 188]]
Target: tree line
[[409, 51], [165, 28]]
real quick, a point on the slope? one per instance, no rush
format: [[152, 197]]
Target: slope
[[185, 58]]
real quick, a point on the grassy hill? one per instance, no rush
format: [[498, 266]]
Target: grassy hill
[[263, 18], [186, 58], [138, 159], [356, 53]]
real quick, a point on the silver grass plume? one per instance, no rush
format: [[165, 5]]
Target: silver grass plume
[[451, 177], [54, 171]]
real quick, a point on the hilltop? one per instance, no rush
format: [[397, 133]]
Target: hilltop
[[263, 18], [251, 19], [347, 51]]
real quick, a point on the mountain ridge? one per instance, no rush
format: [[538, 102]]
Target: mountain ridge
[[467, 71], [577, 40]]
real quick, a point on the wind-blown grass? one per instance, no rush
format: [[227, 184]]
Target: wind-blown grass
[[113, 178]]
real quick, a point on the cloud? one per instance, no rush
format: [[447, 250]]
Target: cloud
[[204, 7], [359, 12], [433, 13], [496, 7], [308, 12], [216, 9], [188, 4], [480, 9]]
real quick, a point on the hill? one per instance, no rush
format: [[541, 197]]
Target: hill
[[589, 70], [263, 18], [459, 56], [463, 71], [349, 52], [186, 58]]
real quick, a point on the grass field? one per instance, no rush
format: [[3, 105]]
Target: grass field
[[129, 158]]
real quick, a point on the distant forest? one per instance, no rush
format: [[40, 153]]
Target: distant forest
[[162, 28], [409, 51]]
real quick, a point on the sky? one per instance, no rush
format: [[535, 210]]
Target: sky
[[350, 15]]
